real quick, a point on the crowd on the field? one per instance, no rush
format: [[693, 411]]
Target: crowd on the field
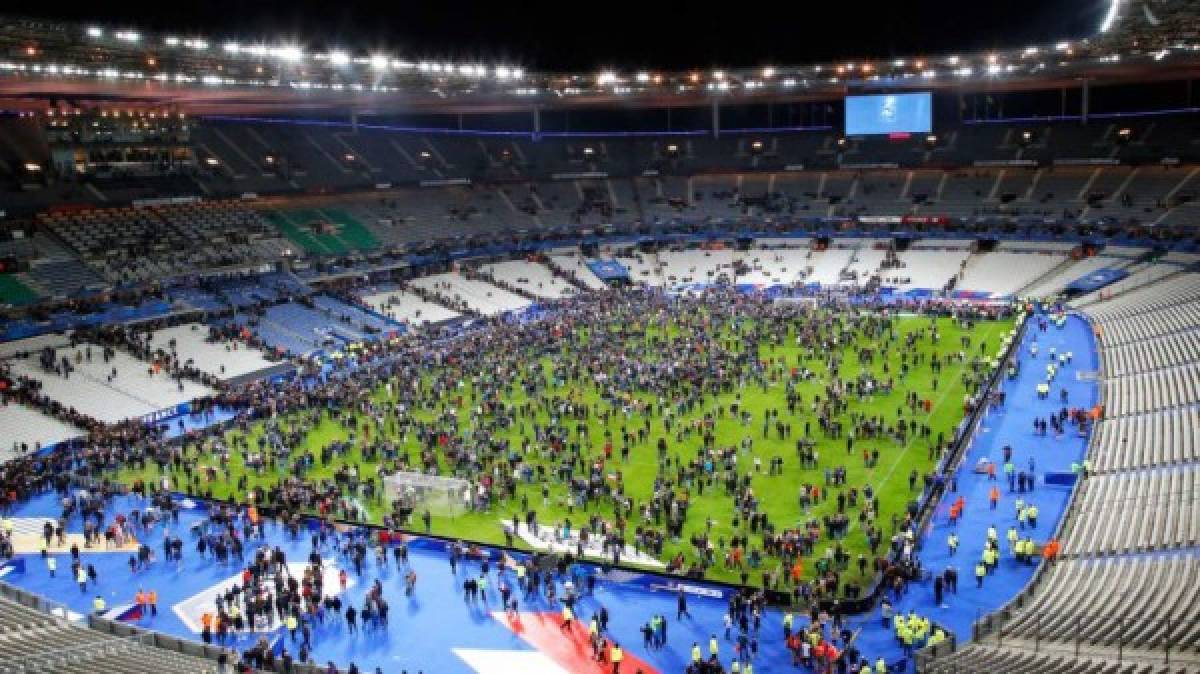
[[656, 361], [658, 364]]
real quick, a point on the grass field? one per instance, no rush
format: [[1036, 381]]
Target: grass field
[[778, 494]]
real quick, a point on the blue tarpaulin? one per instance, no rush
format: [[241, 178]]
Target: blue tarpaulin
[[1096, 280], [608, 270]]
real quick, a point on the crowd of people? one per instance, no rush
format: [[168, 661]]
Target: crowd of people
[[543, 416]]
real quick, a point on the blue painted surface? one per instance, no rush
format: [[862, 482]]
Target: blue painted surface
[[423, 631], [1010, 425]]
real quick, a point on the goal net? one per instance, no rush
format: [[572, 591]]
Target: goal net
[[417, 492]]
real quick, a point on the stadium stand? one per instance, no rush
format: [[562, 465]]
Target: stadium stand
[[1002, 273], [826, 266], [41, 640], [925, 268], [456, 290], [867, 261], [30, 430], [128, 245], [1132, 512], [15, 293], [404, 306], [1056, 280], [531, 277], [643, 267], [196, 344], [775, 262], [685, 267], [105, 384], [1147, 440], [575, 267]]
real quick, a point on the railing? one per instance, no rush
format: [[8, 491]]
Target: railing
[[1149, 637], [60, 658], [124, 637], [1120, 648], [930, 653]]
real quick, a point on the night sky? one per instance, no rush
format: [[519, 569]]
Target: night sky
[[588, 36]]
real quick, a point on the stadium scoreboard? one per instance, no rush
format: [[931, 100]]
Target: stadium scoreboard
[[880, 114]]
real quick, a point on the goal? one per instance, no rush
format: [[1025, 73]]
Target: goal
[[417, 492]]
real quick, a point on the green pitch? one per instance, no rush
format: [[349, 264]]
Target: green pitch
[[778, 494]]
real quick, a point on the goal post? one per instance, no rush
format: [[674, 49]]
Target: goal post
[[415, 493]]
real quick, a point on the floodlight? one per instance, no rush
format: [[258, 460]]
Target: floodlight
[[1110, 17], [288, 53]]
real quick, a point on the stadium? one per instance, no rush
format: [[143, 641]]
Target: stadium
[[323, 357]]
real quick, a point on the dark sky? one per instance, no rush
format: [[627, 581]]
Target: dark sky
[[573, 35]]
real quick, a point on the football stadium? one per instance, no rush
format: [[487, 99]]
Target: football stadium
[[328, 357]]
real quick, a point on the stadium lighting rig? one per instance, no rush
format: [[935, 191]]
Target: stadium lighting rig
[[123, 54]]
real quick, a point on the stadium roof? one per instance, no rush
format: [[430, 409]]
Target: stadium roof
[[82, 65]]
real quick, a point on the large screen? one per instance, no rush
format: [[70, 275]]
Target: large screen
[[889, 113]]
